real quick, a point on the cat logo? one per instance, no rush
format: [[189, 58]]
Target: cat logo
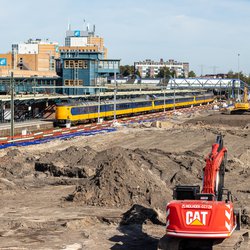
[[196, 218]]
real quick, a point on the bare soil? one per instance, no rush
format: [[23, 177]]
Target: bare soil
[[109, 191]]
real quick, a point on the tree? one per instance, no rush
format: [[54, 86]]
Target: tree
[[137, 73], [191, 74], [164, 73], [236, 75], [173, 73], [230, 74], [126, 70], [161, 73]]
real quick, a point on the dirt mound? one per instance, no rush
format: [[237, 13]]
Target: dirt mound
[[225, 120], [125, 177], [121, 181], [15, 165], [70, 162]]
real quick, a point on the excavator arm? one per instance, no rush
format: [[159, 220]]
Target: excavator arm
[[213, 177]]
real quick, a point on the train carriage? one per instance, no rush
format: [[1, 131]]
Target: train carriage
[[89, 111]]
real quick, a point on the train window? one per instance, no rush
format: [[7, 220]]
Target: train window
[[123, 106], [161, 102], [93, 109], [145, 104], [79, 110], [102, 108], [135, 105], [109, 107]]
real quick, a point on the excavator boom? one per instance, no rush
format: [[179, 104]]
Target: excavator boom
[[213, 178]]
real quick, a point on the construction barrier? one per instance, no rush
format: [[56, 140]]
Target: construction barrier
[[61, 136]]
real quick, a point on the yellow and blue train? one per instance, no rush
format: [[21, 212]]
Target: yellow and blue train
[[89, 111]]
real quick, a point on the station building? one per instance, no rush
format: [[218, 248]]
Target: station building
[[77, 67], [83, 63]]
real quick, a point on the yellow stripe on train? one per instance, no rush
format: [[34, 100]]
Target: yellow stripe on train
[[64, 113]]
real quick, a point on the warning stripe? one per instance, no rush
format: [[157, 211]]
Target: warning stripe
[[228, 216], [21, 139], [79, 130], [3, 138], [38, 133], [46, 135], [65, 132]]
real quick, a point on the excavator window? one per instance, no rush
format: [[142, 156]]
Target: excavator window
[[186, 192]]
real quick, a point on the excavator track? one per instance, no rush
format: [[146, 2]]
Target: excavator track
[[239, 240]]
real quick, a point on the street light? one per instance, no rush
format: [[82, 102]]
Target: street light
[[115, 92], [164, 110], [99, 105], [12, 104], [238, 66], [12, 110], [174, 93]]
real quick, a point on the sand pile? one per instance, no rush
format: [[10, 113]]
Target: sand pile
[[225, 120], [125, 177], [120, 181], [70, 162], [15, 165]]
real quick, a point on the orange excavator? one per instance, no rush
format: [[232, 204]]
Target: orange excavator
[[206, 219]]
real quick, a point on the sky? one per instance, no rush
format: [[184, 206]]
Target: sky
[[212, 35]]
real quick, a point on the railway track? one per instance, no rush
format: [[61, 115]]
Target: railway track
[[90, 129]]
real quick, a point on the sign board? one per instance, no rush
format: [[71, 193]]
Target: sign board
[[3, 61], [77, 33]]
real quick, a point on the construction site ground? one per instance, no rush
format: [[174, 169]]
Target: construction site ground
[[109, 191]]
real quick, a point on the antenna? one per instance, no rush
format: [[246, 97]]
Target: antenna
[[84, 23], [201, 66], [69, 25], [214, 68]]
